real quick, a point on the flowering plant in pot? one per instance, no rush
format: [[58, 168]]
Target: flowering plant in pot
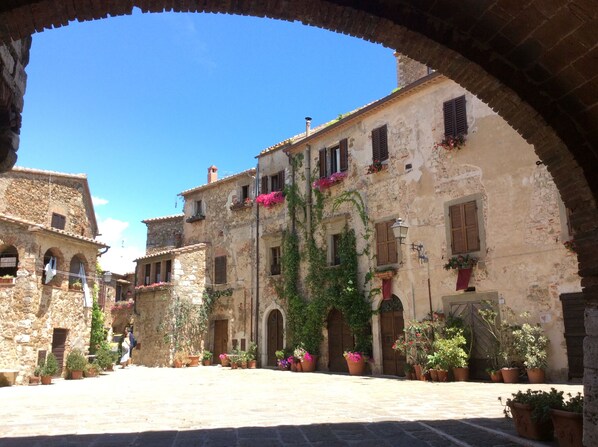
[[461, 262], [271, 199], [224, 360], [376, 166], [531, 344], [252, 355], [356, 362], [326, 182], [450, 142]]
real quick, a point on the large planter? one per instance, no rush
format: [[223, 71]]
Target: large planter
[[193, 360], [434, 375], [252, 364], [528, 428], [76, 374], [536, 375], [496, 376], [568, 428], [46, 380], [356, 368], [461, 374], [309, 365], [418, 372], [442, 375], [177, 363], [510, 375]]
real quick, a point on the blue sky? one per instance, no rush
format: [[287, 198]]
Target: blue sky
[[143, 104]]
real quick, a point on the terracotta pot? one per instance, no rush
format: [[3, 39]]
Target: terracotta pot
[[177, 363], [418, 372], [244, 364], [252, 364], [299, 367], [309, 365], [568, 428], [34, 380], [46, 380], [510, 375], [225, 361], [76, 375], [193, 360], [206, 363], [442, 375], [461, 374], [92, 372], [356, 368], [496, 376], [234, 365], [110, 367], [434, 375], [528, 428], [536, 375]]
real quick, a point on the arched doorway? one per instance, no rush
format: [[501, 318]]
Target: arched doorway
[[340, 339], [392, 324], [275, 335]]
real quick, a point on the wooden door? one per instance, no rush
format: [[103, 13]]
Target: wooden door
[[573, 318], [275, 336], [482, 341], [340, 340], [220, 339], [58, 346], [392, 324]]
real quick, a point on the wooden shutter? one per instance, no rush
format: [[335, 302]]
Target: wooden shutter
[[465, 235], [380, 144], [448, 109], [375, 145], [220, 270], [344, 154], [391, 242], [322, 163], [264, 186], [455, 117], [281, 180], [58, 221], [381, 245]]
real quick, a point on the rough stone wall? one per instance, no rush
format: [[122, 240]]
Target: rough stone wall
[[14, 57], [29, 311], [35, 197], [408, 70], [525, 260], [164, 234]]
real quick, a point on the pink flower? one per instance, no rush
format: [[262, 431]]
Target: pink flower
[[271, 199]]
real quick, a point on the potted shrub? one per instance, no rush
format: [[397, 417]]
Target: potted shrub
[[92, 369], [206, 358], [48, 369], [193, 359], [308, 360], [104, 358], [75, 364], [531, 344], [180, 358], [568, 421], [450, 354], [251, 355], [34, 379], [530, 411], [281, 360]]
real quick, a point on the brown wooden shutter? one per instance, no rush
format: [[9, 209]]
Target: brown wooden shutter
[[58, 221], [472, 235], [383, 143], [460, 116], [457, 230], [448, 109], [375, 145], [220, 270], [391, 242], [465, 235], [344, 154], [322, 163], [281, 180], [264, 186], [381, 245]]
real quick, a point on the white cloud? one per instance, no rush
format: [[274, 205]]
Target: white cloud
[[98, 201], [119, 258]]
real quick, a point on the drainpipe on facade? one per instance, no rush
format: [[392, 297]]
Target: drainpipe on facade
[[257, 254], [307, 157]]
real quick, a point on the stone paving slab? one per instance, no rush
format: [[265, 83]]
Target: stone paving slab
[[214, 406]]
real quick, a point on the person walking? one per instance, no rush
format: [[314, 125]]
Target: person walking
[[132, 344], [125, 349]]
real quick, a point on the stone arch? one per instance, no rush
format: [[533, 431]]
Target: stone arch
[[52, 271], [263, 342]]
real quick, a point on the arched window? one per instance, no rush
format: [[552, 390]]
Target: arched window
[[9, 260], [52, 261], [77, 273]]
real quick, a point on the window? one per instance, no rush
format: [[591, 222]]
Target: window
[[275, 261], [9, 260], [77, 273], [380, 144], [157, 272], [58, 221], [386, 244], [220, 270], [244, 193], [277, 182], [198, 211], [147, 275], [334, 159], [119, 293], [264, 185], [50, 269], [455, 117], [464, 228], [168, 272], [335, 254]]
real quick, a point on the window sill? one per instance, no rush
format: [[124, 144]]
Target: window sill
[[241, 206], [194, 219]]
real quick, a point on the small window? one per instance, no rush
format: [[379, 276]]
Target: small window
[[119, 293], [198, 208], [220, 270], [464, 229], [58, 221], [244, 193], [334, 159], [9, 260], [157, 275], [50, 269], [277, 182], [335, 254], [147, 275], [455, 117], [275, 261], [77, 275], [386, 244], [380, 144], [168, 272]]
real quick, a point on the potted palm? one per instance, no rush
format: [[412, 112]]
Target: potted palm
[[75, 364], [48, 369], [568, 421], [531, 344]]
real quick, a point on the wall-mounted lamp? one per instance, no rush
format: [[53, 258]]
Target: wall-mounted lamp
[[400, 229], [107, 277]]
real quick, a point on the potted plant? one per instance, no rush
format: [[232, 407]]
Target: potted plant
[[568, 421], [104, 358], [92, 369], [180, 358], [281, 360], [308, 360], [7, 279], [356, 362], [530, 411], [206, 358], [224, 360], [75, 364], [34, 379], [449, 354], [76, 285], [531, 344], [251, 355], [48, 369]]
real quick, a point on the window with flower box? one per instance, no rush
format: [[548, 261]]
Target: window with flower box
[[455, 117], [198, 212], [334, 159], [386, 244]]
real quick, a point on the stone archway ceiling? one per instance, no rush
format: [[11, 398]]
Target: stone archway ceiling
[[534, 61]]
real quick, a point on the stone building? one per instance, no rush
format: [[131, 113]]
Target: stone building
[[48, 255], [491, 198]]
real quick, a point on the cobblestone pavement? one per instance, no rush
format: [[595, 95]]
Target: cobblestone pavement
[[214, 406]]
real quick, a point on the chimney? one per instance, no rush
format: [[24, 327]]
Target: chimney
[[212, 174], [408, 70]]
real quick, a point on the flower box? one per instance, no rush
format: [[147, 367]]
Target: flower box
[[386, 274], [7, 280], [236, 206], [376, 166], [271, 199], [195, 218], [450, 143], [326, 182]]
